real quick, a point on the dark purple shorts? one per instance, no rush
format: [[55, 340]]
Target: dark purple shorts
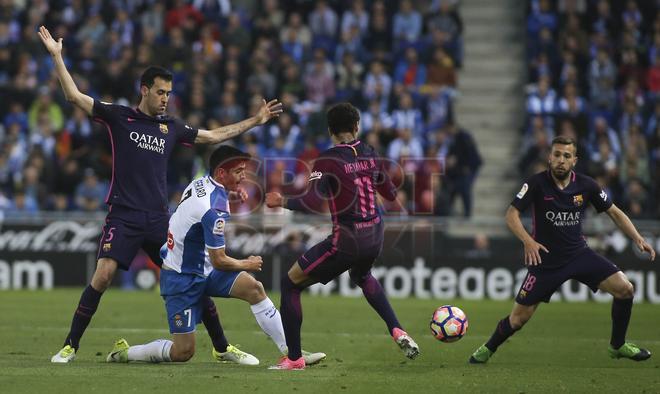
[[126, 230], [346, 249], [588, 267]]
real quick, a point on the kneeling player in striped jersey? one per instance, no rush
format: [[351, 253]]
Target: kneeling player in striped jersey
[[195, 266]]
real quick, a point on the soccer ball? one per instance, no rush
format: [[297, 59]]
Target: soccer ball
[[449, 323]]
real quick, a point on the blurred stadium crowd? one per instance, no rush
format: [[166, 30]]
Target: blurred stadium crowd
[[394, 59], [594, 73]]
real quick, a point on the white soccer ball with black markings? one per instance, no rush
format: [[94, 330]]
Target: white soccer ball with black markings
[[449, 323]]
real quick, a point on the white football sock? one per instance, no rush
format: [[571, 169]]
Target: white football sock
[[270, 321], [153, 352]]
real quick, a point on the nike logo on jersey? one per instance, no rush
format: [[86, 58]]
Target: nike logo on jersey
[[130, 119]]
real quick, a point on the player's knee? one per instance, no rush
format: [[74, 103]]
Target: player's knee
[[258, 292], [101, 280], [626, 291], [517, 321], [182, 353], [357, 277]]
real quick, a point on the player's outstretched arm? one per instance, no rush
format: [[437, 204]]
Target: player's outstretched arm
[[268, 111], [71, 92], [532, 254], [623, 222], [221, 261]]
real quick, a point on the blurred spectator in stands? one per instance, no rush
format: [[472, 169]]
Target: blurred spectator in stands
[[636, 200], [538, 150], [602, 77], [540, 17], [405, 146], [22, 204], [379, 38], [462, 165], [447, 20], [296, 27], [542, 100], [16, 115], [349, 78], [208, 46], [355, 16], [323, 22], [631, 69], [409, 73], [602, 131], [407, 116], [44, 104], [377, 85], [573, 108], [235, 33], [319, 79], [406, 25], [653, 77], [91, 193], [374, 115], [440, 71]]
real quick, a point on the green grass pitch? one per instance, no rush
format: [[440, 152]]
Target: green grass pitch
[[562, 349]]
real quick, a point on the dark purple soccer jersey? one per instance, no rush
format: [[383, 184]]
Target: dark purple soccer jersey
[[141, 147], [557, 215], [347, 176]]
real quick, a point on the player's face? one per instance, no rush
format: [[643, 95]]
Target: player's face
[[562, 160], [157, 96], [233, 177]]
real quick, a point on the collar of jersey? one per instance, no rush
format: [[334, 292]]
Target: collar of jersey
[[214, 182], [157, 117]]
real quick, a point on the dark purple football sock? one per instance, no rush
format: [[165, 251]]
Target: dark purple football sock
[[89, 301], [621, 310], [211, 321], [291, 311], [375, 295], [501, 334]]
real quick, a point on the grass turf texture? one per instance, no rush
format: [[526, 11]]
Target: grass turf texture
[[562, 349]]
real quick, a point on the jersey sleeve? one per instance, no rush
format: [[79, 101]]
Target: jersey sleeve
[[105, 111], [384, 183], [525, 196], [185, 133], [213, 224], [317, 190], [598, 197]]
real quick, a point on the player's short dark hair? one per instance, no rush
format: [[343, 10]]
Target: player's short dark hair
[[563, 140], [226, 156], [151, 73], [342, 118]]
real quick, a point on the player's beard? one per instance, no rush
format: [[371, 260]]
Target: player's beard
[[561, 175]]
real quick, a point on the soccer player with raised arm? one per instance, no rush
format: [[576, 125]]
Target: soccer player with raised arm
[[196, 266], [557, 251], [142, 139], [347, 176]]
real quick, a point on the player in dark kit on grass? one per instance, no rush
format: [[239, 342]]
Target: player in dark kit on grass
[[557, 251], [347, 176], [142, 140]]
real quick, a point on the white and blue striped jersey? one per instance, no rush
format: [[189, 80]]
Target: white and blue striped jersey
[[197, 224]]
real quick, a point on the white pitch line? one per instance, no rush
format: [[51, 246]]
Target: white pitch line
[[334, 333]]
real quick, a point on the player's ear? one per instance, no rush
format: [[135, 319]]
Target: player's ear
[[143, 90]]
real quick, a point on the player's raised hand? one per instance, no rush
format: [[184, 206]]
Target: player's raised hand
[[643, 246], [239, 196], [268, 110], [253, 263], [532, 254], [274, 200], [53, 47]]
